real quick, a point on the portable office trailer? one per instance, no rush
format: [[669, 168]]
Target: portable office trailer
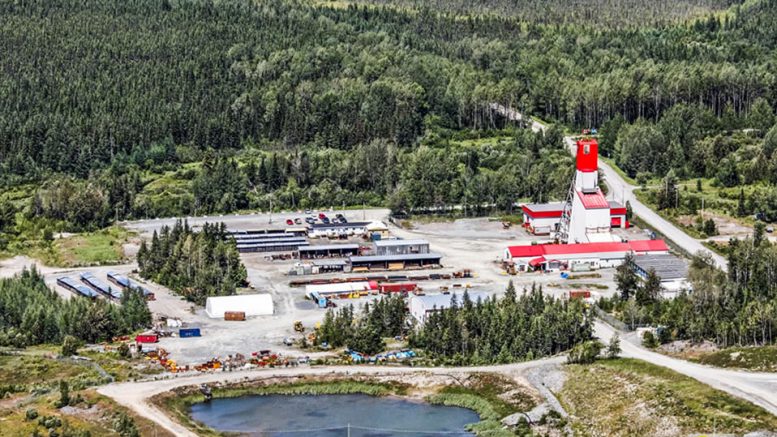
[[72, 285]]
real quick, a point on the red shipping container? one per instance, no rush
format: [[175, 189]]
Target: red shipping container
[[579, 294], [147, 338], [397, 288]]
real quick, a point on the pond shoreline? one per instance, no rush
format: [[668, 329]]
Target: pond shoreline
[[474, 394]]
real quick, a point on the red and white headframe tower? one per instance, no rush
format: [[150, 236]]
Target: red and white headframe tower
[[586, 214]]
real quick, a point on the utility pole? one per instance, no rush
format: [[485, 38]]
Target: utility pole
[[349, 430]]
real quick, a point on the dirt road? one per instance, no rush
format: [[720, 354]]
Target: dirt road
[[135, 395], [760, 388]]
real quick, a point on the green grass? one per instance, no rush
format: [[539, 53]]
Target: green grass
[[618, 170], [762, 358], [633, 397], [30, 370], [103, 247]]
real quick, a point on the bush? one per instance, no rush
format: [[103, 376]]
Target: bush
[[31, 414], [585, 353], [649, 340], [69, 346], [124, 351]]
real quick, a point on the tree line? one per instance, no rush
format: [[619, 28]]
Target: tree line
[[386, 317], [738, 308], [515, 328], [149, 81], [194, 264], [31, 313]]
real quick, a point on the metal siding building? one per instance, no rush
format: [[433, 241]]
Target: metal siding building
[[400, 247], [328, 250], [421, 306], [395, 262]]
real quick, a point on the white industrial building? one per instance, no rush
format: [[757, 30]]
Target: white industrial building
[[421, 306], [552, 257], [250, 304], [335, 230], [672, 270]]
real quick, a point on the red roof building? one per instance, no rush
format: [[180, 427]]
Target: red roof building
[[597, 255]]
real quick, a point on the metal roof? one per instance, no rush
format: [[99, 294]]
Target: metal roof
[[270, 240], [444, 300], [339, 225], [286, 244], [667, 267], [545, 207], [389, 258], [387, 243], [594, 200], [329, 262], [329, 247]]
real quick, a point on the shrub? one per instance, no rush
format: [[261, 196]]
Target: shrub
[[585, 353]]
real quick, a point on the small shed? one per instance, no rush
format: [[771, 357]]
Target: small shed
[[250, 304]]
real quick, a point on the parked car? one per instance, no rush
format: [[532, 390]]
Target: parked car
[[325, 220], [770, 229], [298, 221], [338, 215], [321, 215], [310, 220], [289, 222]]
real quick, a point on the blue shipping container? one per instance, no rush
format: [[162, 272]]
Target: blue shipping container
[[189, 332]]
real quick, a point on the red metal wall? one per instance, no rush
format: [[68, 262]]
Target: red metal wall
[[587, 155]]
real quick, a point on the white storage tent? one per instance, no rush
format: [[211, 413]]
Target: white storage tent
[[250, 304]]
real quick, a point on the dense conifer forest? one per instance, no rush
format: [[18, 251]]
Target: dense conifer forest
[[734, 308], [31, 313], [195, 264]]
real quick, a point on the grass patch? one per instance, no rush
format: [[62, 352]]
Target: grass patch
[[621, 173], [27, 372], [102, 247], [760, 358], [633, 397], [719, 247]]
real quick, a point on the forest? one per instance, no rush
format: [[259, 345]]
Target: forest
[[194, 264], [514, 328], [734, 308], [31, 313], [146, 108], [386, 317]]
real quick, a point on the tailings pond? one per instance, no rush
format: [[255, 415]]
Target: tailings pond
[[331, 415]]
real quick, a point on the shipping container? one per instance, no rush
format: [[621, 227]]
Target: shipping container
[[237, 316], [189, 332], [397, 287], [579, 294], [147, 338]]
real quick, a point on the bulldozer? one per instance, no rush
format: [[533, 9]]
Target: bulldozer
[[298, 327]]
